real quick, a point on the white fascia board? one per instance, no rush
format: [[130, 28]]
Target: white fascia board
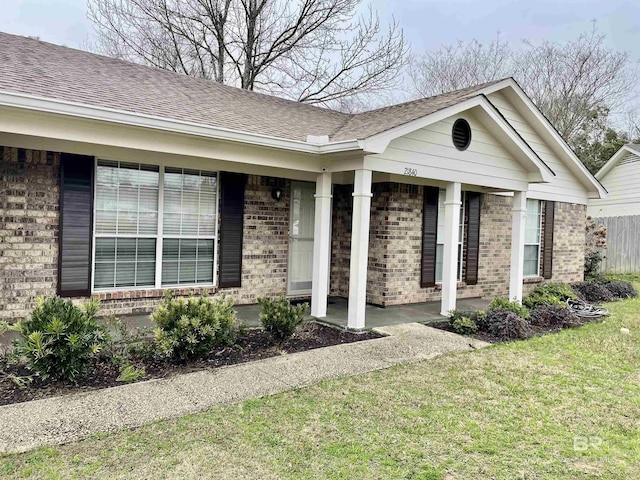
[[541, 171], [61, 107], [598, 190], [613, 161]]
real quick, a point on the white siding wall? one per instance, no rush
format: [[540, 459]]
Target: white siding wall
[[565, 187], [623, 184], [431, 152]]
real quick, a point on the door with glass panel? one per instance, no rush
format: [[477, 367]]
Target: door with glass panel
[[301, 225]]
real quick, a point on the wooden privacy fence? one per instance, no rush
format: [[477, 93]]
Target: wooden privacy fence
[[623, 244]]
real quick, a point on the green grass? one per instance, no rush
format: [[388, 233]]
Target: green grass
[[507, 412]]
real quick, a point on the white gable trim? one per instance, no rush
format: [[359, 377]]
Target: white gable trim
[[539, 171], [596, 189], [614, 160]]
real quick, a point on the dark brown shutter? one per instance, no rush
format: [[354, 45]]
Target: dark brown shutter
[[429, 236], [76, 224], [474, 200], [231, 226], [547, 253]]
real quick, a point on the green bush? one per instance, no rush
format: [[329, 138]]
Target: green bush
[[60, 339], [279, 318], [130, 374], [191, 328], [549, 294], [464, 325], [501, 303]]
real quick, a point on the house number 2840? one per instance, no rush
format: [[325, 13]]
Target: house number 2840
[[412, 172]]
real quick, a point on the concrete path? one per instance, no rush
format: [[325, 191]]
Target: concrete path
[[70, 418]]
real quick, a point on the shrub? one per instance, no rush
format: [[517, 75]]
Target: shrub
[[191, 328], [464, 326], [130, 374], [621, 289], [279, 318], [501, 303], [549, 294], [60, 339], [506, 325], [592, 292], [554, 316]]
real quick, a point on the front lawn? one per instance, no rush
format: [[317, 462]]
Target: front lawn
[[563, 406]]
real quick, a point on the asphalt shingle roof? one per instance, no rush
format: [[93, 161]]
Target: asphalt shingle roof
[[43, 69]]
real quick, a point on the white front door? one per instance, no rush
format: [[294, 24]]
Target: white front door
[[301, 229]]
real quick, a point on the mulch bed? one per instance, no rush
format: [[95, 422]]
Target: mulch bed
[[486, 337], [255, 345]]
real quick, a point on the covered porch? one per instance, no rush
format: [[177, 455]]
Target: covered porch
[[428, 155]]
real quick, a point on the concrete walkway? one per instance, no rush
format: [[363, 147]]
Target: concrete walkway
[[70, 418]]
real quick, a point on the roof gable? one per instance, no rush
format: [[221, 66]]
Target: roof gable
[[510, 88], [488, 116], [618, 158]]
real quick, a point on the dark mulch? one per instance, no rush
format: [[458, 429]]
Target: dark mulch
[[255, 345], [486, 337]]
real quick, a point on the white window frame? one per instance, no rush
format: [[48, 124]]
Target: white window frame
[[159, 236], [461, 225], [539, 242]]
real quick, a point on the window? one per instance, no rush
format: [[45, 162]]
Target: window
[[533, 226], [126, 225], [440, 237], [147, 216], [189, 227]]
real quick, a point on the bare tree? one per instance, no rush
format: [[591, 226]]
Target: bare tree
[[576, 84], [316, 51], [461, 65]]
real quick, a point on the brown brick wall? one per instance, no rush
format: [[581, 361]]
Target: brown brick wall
[[29, 197], [29, 220], [395, 246], [568, 243]]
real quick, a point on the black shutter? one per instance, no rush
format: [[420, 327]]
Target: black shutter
[[547, 253], [76, 223], [231, 226], [429, 236], [474, 200]]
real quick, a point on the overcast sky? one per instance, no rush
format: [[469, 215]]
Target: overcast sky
[[427, 24]]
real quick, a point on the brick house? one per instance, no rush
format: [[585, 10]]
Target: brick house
[[120, 181]]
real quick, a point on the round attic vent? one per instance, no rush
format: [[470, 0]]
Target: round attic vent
[[461, 134]]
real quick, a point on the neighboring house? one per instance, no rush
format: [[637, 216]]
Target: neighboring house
[[120, 180], [620, 210]]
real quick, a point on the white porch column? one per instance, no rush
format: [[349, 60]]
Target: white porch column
[[450, 257], [359, 249], [519, 214], [321, 246]]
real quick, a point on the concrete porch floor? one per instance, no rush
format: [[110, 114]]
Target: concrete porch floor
[[337, 313], [375, 317]]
